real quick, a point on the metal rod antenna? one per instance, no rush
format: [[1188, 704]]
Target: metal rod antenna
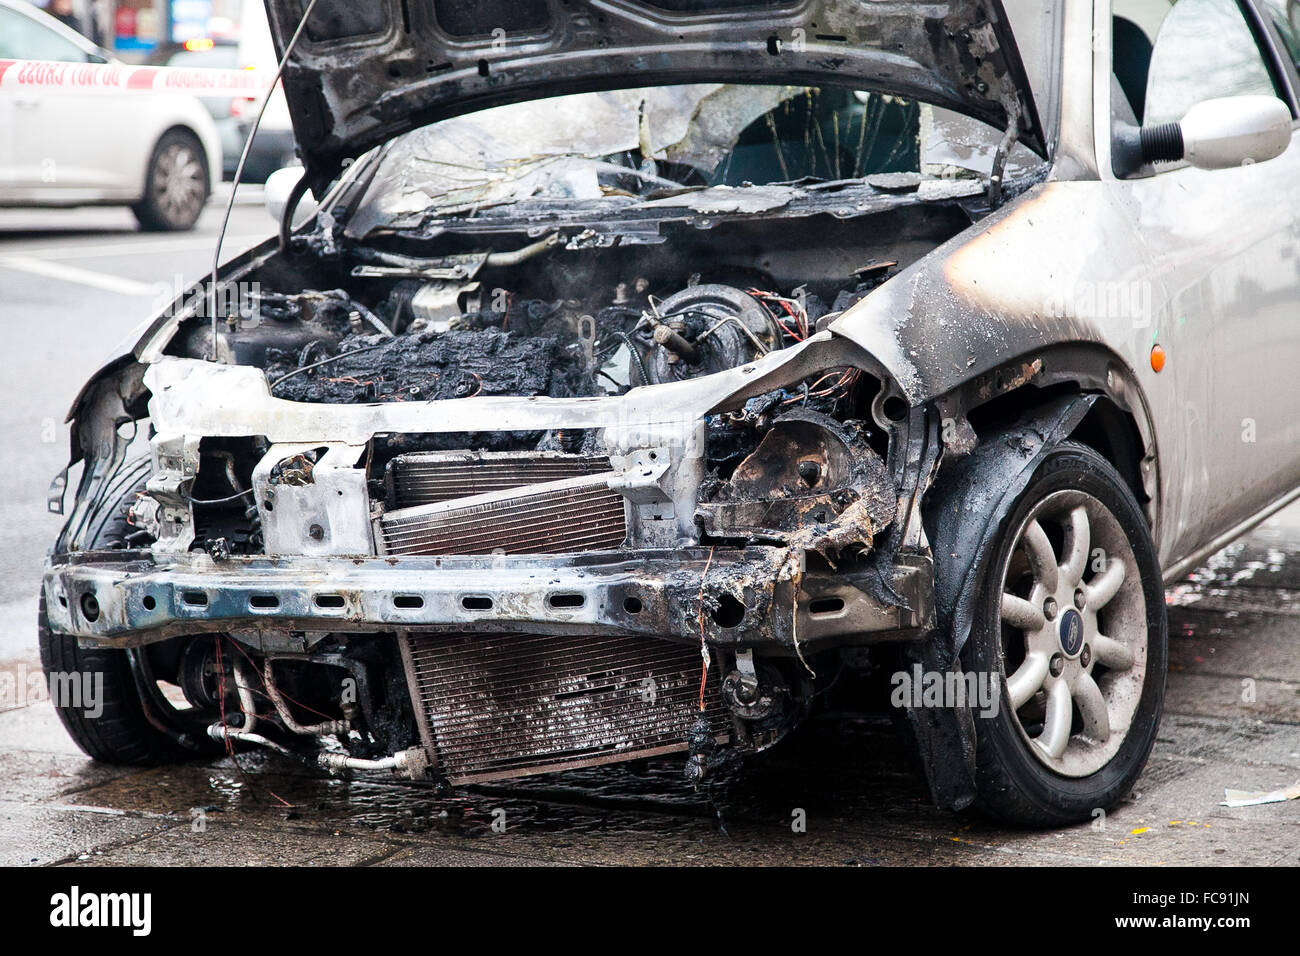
[[239, 171]]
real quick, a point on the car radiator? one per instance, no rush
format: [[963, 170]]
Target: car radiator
[[483, 503], [426, 477], [493, 706]]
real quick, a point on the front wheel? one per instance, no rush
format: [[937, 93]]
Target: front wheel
[[1071, 623]]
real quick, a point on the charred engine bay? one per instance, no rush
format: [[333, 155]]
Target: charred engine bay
[[795, 493], [505, 305], [515, 305]]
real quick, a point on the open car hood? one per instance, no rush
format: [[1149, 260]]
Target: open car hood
[[363, 73]]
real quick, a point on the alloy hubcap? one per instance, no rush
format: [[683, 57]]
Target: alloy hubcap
[[1074, 634], [178, 182]]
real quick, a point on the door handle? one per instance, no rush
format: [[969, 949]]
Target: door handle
[[26, 103]]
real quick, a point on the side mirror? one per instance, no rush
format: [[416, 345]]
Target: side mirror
[[1221, 133], [278, 187]]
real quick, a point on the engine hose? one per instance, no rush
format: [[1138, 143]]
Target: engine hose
[[636, 357]]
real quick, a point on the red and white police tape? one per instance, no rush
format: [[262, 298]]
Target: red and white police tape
[[121, 78]]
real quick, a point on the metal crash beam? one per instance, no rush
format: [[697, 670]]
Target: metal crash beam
[[737, 598]]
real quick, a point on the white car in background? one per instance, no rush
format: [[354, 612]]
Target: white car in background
[[160, 154]]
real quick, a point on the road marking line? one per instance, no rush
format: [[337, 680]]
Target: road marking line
[[67, 273], [126, 249]]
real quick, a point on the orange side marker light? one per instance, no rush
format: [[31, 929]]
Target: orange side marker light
[[1158, 359]]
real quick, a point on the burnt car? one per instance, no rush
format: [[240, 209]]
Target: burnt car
[[647, 365]]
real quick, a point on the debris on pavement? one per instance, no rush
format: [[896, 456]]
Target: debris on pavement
[[1255, 798]]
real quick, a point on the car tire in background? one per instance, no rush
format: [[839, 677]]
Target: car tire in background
[[1071, 618], [176, 184]]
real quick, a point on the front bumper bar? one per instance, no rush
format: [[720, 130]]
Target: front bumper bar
[[126, 599]]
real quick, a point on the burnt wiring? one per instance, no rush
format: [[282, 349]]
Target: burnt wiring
[[217, 501], [759, 346], [838, 389], [225, 726], [784, 310], [221, 698], [326, 361], [789, 309], [267, 693], [704, 646], [231, 479]]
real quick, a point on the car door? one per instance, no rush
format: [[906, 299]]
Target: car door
[[8, 155], [22, 165], [63, 145], [1224, 255]]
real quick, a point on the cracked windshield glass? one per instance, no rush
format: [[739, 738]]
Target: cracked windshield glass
[[634, 146]]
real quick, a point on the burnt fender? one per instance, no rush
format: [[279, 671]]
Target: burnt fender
[[972, 495], [963, 510]]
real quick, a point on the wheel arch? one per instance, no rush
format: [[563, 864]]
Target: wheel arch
[[1118, 424], [1113, 433], [973, 493], [995, 433], [970, 496]]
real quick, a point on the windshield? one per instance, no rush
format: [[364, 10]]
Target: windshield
[[642, 143]]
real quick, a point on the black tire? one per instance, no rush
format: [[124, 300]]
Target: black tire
[[176, 184], [119, 733], [1014, 783]]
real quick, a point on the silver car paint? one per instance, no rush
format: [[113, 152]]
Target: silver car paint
[[1217, 292]]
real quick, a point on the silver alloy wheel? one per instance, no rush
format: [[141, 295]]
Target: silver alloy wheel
[[1074, 633], [178, 182]]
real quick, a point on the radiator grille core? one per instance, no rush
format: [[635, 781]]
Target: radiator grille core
[[478, 503], [422, 478], [493, 706]]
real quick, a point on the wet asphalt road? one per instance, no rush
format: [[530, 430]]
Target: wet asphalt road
[[73, 283]]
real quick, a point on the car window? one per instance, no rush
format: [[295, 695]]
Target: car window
[[630, 144], [22, 38], [1285, 15], [1170, 56]]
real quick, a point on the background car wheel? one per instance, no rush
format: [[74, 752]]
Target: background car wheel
[[176, 184], [116, 728], [1071, 619]]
